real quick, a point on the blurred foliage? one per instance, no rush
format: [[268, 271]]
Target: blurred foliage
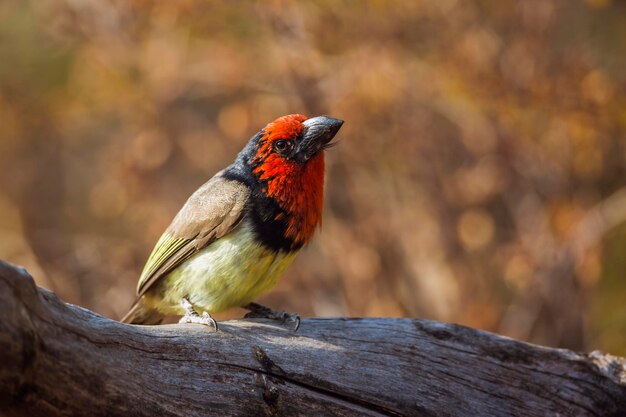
[[479, 178]]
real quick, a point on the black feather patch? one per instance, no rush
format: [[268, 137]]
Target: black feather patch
[[267, 216]]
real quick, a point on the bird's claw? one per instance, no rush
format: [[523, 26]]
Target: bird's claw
[[258, 311], [203, 318], [284, 317], [191, 316]]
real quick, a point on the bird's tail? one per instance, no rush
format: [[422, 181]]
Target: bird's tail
[[140, 314]]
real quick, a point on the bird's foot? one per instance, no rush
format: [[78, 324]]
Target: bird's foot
[[192, 316], [259, 311], [196, 318]]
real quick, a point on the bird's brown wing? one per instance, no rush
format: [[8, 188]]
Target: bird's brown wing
[[211, 212]]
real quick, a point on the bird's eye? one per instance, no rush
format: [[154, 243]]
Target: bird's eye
[[282, 145]]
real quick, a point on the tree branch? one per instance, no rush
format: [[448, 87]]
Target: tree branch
[[59, 359]]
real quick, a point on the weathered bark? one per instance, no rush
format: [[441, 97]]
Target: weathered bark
[[62, 360]]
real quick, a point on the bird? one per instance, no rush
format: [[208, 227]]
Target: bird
[[236, 234]]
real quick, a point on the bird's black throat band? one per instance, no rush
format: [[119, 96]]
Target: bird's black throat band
[[267, 218]]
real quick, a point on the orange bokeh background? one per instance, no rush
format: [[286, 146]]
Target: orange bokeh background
[[479, 177]]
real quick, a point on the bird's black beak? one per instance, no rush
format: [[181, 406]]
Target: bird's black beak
[[317, 133]]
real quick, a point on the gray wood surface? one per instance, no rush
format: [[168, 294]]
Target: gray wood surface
[[58, 359]]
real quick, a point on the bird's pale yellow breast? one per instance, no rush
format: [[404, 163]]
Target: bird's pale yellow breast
[[230, 272]]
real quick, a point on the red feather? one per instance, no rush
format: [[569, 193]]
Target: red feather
[[298, 188]]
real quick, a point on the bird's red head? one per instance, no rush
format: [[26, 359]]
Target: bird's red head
[[290, 161]]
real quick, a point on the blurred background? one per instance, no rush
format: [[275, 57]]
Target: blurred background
[[479, 177]]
